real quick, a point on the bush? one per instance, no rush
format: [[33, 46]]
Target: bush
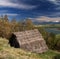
[[57, 56]]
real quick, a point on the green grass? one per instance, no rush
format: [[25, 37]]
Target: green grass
[[7, 52], [48, 55]]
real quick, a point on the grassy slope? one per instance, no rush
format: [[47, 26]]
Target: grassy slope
[[7, 52], [49, 54]]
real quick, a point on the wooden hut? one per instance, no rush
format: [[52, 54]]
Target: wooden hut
[[30, 40]]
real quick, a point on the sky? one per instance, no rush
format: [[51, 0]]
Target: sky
[[37, 10]]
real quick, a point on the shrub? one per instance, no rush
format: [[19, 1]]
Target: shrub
[[57, 56]]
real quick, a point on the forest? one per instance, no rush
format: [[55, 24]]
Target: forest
[[7, 27]]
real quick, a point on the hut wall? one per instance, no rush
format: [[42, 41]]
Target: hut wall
[[36, 46]]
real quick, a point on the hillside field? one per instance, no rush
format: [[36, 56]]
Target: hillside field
[[7, 52]]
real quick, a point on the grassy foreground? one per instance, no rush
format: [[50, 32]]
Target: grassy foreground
[[7, 52]]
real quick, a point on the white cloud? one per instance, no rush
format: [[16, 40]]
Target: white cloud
[[3, 11], [47, 19], [9, 14], [9, 3], [57, 2], [53, 0]]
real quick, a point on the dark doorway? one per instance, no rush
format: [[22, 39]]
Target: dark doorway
[[13, 41]]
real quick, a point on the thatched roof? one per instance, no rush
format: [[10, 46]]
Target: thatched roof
[[31, 40], [28, 36]]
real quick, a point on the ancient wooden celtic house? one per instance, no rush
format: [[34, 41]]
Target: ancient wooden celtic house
[[30, 40]]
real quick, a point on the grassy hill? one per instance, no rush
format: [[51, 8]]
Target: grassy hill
[[7, 52]]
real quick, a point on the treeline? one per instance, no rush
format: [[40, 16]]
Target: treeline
[[52, 40], [7, 27]]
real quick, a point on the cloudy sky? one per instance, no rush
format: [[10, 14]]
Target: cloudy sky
[[37, 10]]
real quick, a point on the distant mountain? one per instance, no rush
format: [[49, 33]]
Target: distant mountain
[[42, 23]]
